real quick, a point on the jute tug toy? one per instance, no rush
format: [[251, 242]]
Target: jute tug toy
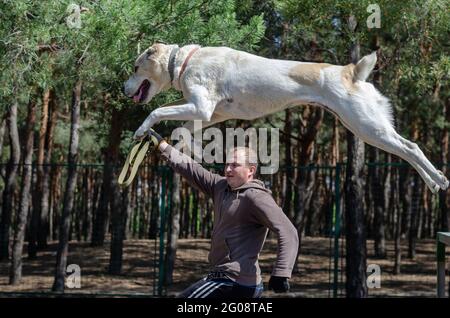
[[137, 155]]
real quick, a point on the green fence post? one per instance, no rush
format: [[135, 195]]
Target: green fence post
[[442, 239]]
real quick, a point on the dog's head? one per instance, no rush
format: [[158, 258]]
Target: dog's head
[[151, 74]]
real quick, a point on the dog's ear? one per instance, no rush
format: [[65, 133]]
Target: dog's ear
[[151, 50]]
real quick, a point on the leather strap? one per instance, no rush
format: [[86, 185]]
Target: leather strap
[[183, 67], [134, 159], [171, 66]]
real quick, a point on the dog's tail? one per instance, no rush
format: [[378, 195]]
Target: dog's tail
[[364, 67]]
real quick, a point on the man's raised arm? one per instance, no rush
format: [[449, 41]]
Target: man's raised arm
[[194, 173]]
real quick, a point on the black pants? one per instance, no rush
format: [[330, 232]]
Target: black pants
[[223, 287]]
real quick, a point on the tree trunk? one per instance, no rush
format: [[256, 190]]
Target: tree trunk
[[406, 188], [171, 249], [88, 198], [142, 216], [444, 196], [102, 213], [128, 199], [16, 264], [55, 200], [413, 204], [208, 220], [118, 213], [354, 219], [305, 177], [78, 210], [3, 126], [182, 207], [378, 195], [378, 198], [2, 132], [153, 228], [431, 217], [44, 226], [406, 197], [426, 214], [95, 199], [354, 213], [64, 227], [10, 183], [387, 190], [195, 213], [35, 227], [289, 173], [119, 221], [187, 209], [397, 223], [415, 201], [335, 143], [136, 210]]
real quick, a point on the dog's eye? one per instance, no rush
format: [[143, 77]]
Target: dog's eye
[[136, 68]]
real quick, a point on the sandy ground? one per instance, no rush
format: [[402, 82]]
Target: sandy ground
[[313, 278]]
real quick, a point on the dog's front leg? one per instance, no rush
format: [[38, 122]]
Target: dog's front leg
[[201, 108]]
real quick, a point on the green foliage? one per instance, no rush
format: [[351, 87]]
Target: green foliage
[[101, 52], [413, 43], [38, 51]]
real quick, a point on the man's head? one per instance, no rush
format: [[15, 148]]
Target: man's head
[[240, 167], [151, 74]]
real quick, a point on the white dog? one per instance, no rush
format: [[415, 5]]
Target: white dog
[[219, 83]]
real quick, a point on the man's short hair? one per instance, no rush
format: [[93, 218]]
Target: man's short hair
[[251, 158]]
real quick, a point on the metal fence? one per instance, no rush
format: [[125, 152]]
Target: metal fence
[[148, 204]]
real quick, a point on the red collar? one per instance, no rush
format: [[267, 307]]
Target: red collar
[[183, 67]]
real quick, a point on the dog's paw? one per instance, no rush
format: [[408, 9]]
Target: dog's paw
[[445, 184], [445, 187], [443, 180], [139, 134], [435, 188]]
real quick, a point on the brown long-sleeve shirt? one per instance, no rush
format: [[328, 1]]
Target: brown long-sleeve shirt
[[242, 218]]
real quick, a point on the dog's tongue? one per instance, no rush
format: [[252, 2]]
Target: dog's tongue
[[137, 97]]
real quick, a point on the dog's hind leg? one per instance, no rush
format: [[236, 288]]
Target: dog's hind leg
[[389, 140], [372, 122], [413, 150]]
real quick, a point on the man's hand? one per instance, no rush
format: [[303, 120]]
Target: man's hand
[[139, 134], [155, 138], [279, 284]]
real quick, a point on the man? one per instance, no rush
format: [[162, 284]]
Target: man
[[244, 210]]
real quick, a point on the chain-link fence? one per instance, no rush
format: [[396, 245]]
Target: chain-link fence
[[396, 204]]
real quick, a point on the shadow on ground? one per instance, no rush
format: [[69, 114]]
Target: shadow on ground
[[313, 277]]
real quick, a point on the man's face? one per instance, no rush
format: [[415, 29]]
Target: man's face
[[237, 172]]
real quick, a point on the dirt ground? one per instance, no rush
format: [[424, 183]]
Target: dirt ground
[[313, 278]]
